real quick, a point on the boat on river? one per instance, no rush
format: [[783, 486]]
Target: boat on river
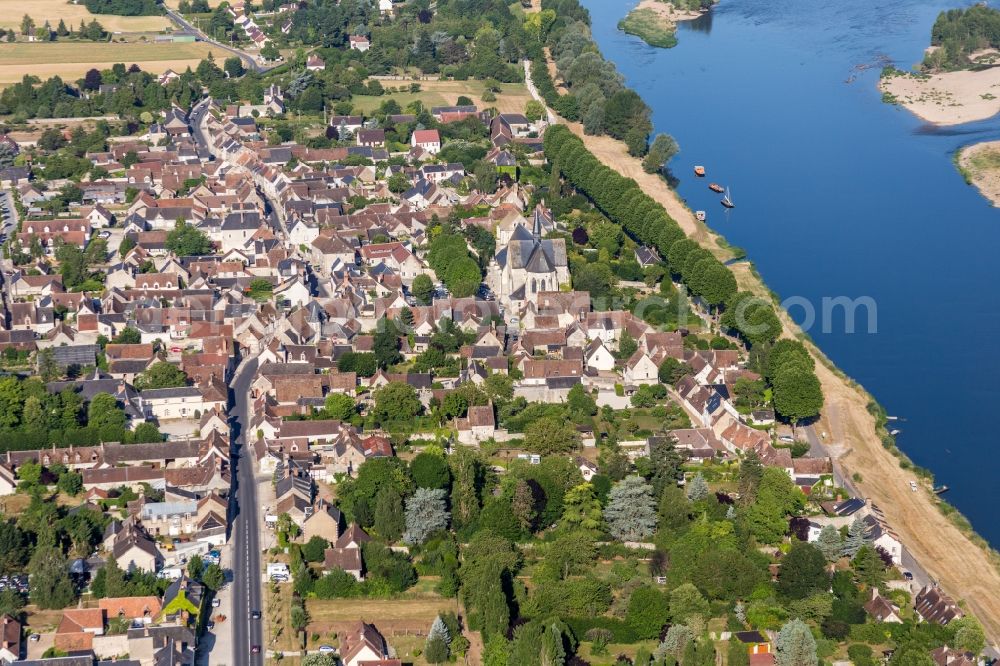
[[700, 215], [699, 171], [940, 489], [727, 200], [715, 187]]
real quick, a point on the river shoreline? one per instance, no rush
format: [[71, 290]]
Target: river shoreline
[[655, 22], [966, 569], [979, 164], [947, 98]]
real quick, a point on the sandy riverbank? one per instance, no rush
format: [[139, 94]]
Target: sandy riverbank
[[949, 98], [963, 568], [980, 165], [668, 11]]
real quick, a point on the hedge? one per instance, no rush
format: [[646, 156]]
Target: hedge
[[624, 203], [620, 631]]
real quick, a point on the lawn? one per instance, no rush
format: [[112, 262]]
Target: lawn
[[71, 60], [53, 10], [511, 99]]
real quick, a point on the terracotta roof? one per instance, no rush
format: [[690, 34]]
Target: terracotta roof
[[130, 607]]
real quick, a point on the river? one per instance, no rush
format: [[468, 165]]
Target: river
[[838, 194]]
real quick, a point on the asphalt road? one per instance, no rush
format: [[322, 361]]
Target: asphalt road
[[245, 525], [198, 112], [248, 59]]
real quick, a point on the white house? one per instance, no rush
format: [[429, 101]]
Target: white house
[[429, 140]]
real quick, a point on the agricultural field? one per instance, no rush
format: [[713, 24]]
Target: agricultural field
[[71, 60], [511, 99], [53, 10]]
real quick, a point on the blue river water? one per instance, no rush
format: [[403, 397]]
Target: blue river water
[[839, 194]]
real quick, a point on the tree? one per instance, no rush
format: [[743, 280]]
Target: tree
[[797, 393], [11, 603], [104, 412], [314, 550], [969, 634], [777, 498], [396, 403], [213, 577], [430, 470], [627, 346], [581, 404], [398, 183], [70, 483], [687, 605], [869, 569], [234, 67], [750, 475], [340, 407], [553, 652], [665, 462], [522, 505], [830, 543], [195, 567], [534, 110], [436, 650], [423, 289], [795, 645], [386, 344], [581, 509], [661, 151], [185, 240], [698, 488], [93, 79], [550, 435], [671, 371], [48, 368], [30, 472], [803, 571], [630, 511], [675, 642], [389, 519], [425, 514], [51, 587], [857, 536], [497, 651], [270, 52], [27, 25], [911, 655], [648, 610], [161, 375]]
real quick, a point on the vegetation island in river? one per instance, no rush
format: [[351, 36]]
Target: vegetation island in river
[[957, 82], [655, 21]]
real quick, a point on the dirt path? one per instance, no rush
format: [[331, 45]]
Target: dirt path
[[963, 568]]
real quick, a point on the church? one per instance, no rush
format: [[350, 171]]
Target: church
[[528, 264]]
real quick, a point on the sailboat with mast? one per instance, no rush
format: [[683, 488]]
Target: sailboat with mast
[[727, 200]]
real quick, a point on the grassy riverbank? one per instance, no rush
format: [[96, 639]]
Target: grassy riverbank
[[655, 22], [979, 165], [651, 27]]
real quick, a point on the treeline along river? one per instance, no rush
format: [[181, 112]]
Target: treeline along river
[[838, 194]]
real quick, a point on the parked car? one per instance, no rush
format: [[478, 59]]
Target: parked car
[[326, 649], [216, 602]]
